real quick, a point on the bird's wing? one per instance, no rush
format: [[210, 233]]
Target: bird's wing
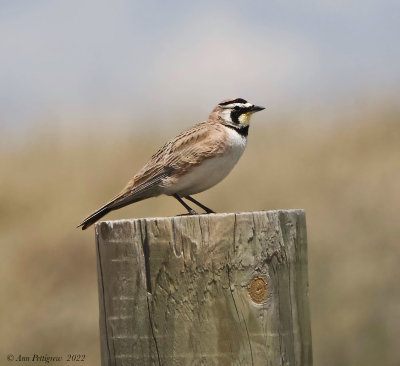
[[139, 191], [177, 156], [188, 149]]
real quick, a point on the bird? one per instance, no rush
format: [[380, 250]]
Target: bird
[[192, 162]]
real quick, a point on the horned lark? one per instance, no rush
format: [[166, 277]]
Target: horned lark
[[192, 162]]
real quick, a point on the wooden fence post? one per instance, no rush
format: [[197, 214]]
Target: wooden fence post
[[220, 289]]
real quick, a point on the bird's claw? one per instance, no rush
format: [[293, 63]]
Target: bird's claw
[[190, 213]]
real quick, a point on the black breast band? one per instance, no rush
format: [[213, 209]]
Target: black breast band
[[242, 130]]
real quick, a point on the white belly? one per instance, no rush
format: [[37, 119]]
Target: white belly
[[212, 170]]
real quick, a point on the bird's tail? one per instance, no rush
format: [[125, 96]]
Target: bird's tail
[[95, 216], [121, 200], [118, 201], [130, 194]]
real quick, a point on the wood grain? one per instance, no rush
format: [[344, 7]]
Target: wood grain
[[220, 289]]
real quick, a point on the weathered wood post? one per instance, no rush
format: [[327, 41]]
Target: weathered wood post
[[221, 289]]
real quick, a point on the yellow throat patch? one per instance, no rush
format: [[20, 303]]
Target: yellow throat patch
[[244, 118]]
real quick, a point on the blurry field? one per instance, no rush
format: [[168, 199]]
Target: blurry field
[[344, 173]]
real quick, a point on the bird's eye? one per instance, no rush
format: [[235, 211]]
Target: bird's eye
[[236, 108]]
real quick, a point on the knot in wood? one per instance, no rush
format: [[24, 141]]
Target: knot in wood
[[258, 289]]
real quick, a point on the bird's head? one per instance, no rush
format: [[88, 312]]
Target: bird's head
[[236, 112]]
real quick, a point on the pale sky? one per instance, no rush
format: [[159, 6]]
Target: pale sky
[[75, 60]]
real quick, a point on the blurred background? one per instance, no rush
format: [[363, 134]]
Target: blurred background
[[90, 89]]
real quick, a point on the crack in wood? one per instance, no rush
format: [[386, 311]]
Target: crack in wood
[[103, 296], [152, 329], [146, 254], [234, 233], [248, 339], [233, 297], [231, 291]]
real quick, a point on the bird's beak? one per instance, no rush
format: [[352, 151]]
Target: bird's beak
[[256, 108]]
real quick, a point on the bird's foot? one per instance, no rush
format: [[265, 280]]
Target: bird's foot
[[190, 213]]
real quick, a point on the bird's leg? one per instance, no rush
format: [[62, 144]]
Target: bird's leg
[[190, 210], [205, 208]]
